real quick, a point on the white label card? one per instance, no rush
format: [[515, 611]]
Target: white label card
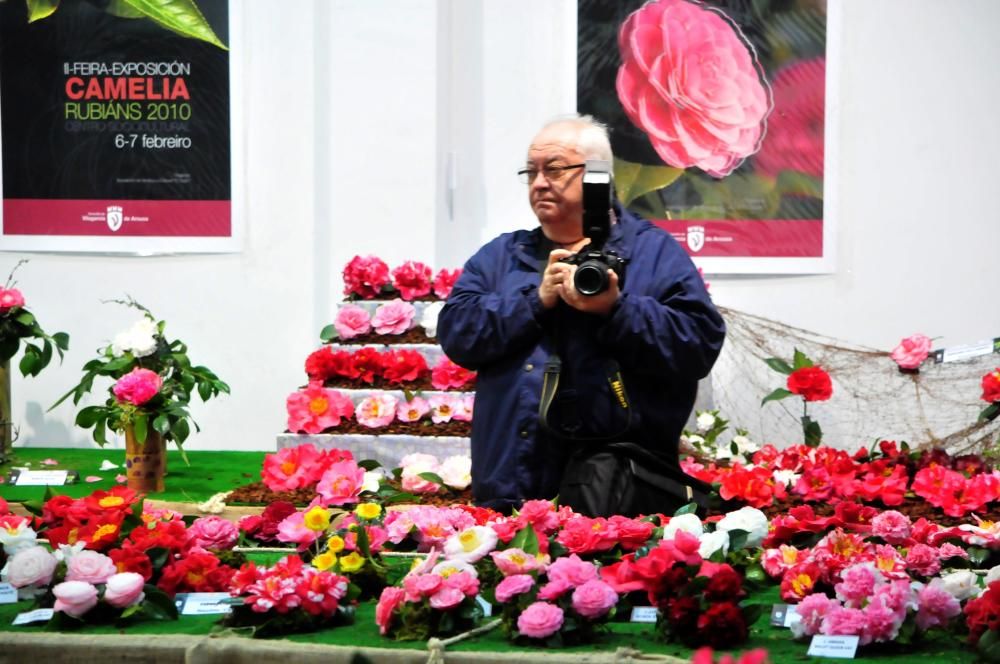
[[41, 478], [643, 614], [203, 604], [8, 594], [839, 647], [38, 615]]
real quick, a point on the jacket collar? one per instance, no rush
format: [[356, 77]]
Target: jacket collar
[[530, 246]]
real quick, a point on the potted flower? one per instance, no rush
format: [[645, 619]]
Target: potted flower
[[17, 323], [148, 402]]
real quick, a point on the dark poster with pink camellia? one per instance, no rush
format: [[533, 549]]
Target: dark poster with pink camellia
[[717, 112]]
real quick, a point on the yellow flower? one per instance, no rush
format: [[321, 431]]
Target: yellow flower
[[368, 510], [352, 562], [335, 544], [324, 561], [317, 519]]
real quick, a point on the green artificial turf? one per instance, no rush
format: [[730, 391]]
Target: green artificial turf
[[208, 474], [211, 472]]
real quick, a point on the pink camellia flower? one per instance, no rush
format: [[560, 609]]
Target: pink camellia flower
[[33, 566], [74, 598], [377, 410], [881, 623], [442, 407], [412, 466], [390, 598], [10, 298], [514, 561], [573, 570], [341, 484], [843, 621], [412, 279], [594, 599], [444, 281], [795, 128], [352, 321], [293, 530], [291, 468], [90, 566], [463, 408], [911, 351], [124, 590], [213, 533], [891, 526], [857, 584], [137, 386], [315, 409], [812, 610], [540, 620], [394, 317], [691, 81], [513, 585], [923, 559], [446, 598], [412, 410], [365, 276], [463, 580], [935, 607]]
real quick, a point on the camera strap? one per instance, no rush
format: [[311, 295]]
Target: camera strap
[[550, 386]]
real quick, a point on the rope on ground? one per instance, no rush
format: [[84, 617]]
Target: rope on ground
[[632, 655], [436, 646]]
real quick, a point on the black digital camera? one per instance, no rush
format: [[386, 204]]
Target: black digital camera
[[593, 261]]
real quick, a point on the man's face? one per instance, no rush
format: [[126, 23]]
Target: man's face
[[557, 200]]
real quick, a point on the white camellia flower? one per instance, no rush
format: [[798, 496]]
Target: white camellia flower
[[471, 544], [696, 440], [750, 519], [67, 551], [991, 576], [712, 542], [429, 319], [140, 339], [786, 477], [689, 523], [17, 538], [745, 445], [456, 471], [705, 421], [371, 481], [961, 584]]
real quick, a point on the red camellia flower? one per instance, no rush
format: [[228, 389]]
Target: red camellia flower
[[365, 276], [723, 625], [982, 614], [368, 364], [320, 365], [403, 366], [811, 383], [991, 386], [447, 375], [412, 279], [444, 281], [130, 559], [691, 81], [196, 572]]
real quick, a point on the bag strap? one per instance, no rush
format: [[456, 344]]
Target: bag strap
[[550, 386]]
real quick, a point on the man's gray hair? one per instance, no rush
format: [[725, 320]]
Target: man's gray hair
[[593, 141]]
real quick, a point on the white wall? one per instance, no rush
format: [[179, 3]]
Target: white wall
[[354, 111]]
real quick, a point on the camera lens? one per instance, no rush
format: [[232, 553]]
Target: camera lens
[[591, 278]]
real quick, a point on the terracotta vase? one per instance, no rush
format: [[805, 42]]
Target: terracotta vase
[[146, 463]]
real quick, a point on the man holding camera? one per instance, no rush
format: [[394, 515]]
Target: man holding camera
[[528, 308]]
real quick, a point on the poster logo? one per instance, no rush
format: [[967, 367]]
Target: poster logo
[[695, 237], [114, 217]]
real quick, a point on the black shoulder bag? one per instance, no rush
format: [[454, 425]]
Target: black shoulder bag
[[606, 476]]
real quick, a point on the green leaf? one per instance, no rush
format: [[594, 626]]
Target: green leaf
[[131, 611], [811, 431], [800, 361], [31, 361], [526, 539], [100, 433], [634, 180], [181, 430], [180, 16], [90, 415], [8, 347], [431, 477], [46, 353], [39, 9], [777, 395], [779, 365], [990, 413], [141, 427], [25, 318], [158, 604], [978, 555], [793, 183], [122, 9], [369, 464], [328, 333], [737, 539], [690, 508], [205, 391], [161, 424], [61, 340]]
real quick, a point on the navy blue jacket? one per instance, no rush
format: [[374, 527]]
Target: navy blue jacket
[[663, 331]]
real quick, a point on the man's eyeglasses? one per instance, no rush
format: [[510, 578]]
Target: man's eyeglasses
[[551, 173]]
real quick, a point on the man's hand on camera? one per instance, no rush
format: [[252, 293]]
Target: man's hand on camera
[[600, 304], [553, 277]]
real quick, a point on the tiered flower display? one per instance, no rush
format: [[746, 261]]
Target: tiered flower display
[[369, 277]]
